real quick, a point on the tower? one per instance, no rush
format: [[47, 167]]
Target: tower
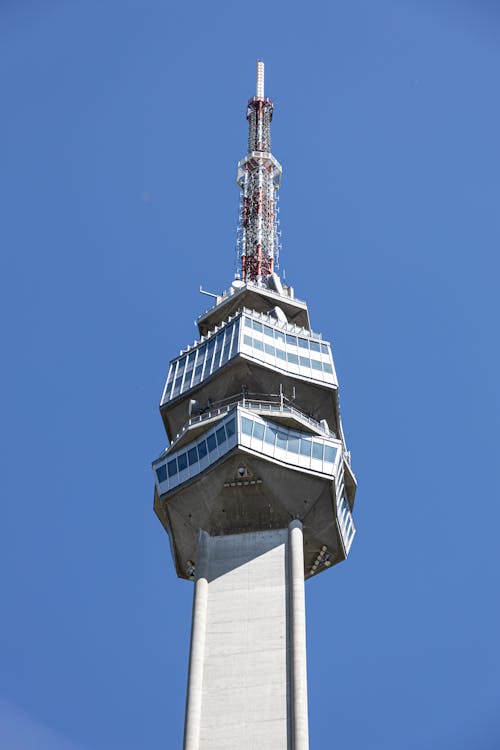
[[255, 489]]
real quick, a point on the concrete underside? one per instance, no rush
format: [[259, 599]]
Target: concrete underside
[[247, 677]]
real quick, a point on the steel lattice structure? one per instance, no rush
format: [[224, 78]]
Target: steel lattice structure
[[259, 176]]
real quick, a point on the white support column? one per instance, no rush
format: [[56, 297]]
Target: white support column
[[197, 653], [300, 731]]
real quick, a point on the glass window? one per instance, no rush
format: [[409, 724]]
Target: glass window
[[269, 349], [303, 343], [330, 454], [177, 386], [315, 347], [248, 322], [197, 373], [293, 443], [258, 430], [211, 443], [327, 367], [161, 473], [246, 426], [221, 435], [305, 447], [281, 440], [279, 336], [291, 339], [269, 435], [257, 326], [293, 359], [231, 427], [316, 364], [202, 449], [281, 354], [324, 349], [317, 450], [305, 361], [258, 344], [192, 455], [268, 331], [172, 467], [182, 461], [247, 340]]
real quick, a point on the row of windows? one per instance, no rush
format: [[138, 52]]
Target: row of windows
[[288, 440], [290, 357], [197, 452], [199, 363], [280, 336]]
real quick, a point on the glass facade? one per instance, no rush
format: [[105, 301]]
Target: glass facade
[[291, 446], [344, 515], [240, 426], [181, 465], [258, 336]]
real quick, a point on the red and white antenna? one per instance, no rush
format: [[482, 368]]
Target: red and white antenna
[[259, 176]]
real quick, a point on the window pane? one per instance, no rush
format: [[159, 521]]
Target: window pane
[[281, 354], [202, 449], [269, 349], [305, 447], [269, 435], [293, 359], [305, 361], [246, 426], [315, 347], [192, 455], [318, 450], [291, 339], [324, 348], [248, 322], [293, 444], [211, 443], [182, 461], [281, 440], [327, 367], [268, 331], [247, 340], [161, 473], [258, 344], [172, 467], [304, 343], [221, 435], [279, 336], [258, 430], [230, 427], [257, 326], [316, 364], [330, 454]]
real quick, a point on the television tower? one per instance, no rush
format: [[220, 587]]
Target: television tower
[[255, 489]]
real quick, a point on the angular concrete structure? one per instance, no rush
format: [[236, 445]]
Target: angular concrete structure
[[255, 489]]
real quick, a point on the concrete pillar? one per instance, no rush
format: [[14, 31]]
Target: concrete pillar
[[300, 731], [197, 653]]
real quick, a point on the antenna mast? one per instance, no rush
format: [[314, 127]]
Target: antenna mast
[[259, 176]]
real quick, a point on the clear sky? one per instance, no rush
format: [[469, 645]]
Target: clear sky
[[122, 122]]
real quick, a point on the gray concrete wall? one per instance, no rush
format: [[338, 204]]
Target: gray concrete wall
[[247, 675]]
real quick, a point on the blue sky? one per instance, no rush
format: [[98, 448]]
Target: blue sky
[[122, 125]]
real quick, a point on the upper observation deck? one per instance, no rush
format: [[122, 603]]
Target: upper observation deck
[[259, 352]]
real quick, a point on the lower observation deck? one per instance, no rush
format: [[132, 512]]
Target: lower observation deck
[[241, 468]]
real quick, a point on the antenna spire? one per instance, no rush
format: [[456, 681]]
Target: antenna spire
[[259, 176], [259, 91]]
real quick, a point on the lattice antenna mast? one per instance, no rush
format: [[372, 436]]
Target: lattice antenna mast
[[259, 176]]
